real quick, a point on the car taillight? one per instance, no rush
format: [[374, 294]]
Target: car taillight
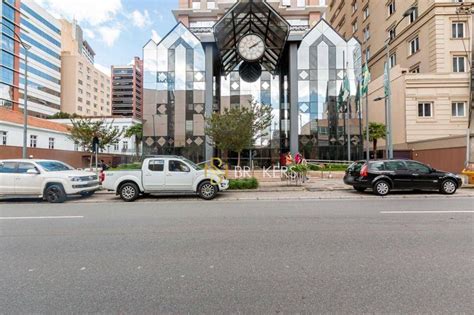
[[101, 176], [364, 171]]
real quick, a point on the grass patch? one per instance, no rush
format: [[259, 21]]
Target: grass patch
[[328, 167], [125, 167], [244, 183]]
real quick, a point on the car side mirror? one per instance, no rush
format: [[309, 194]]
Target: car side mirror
[[32, 171]]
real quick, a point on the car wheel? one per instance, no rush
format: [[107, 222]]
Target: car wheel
[[359, 189], [129, 192], [87, 193], [448, 187], [55, 194], [207, 191], [382, 188]]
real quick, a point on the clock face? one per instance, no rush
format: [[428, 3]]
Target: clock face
[[251, 47]]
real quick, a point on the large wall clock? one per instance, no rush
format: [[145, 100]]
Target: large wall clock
[[251, 47]]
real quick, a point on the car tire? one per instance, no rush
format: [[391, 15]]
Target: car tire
[[381, 188], [448, 187], [87, 193], [207, 190], [359, 189], [129, 192], [55, 193]]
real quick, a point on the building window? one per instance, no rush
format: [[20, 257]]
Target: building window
[[33, 141], [79, 108], [124, 145], [425, 109], [366, 12], [354, 6], [367, 53], [76, 146], [354, 26], [286, 3], [458, 109], [414, 45], [391, 7], [301, 3], [413, 15], [458, 30], [51, 143], [116, 146], [3, 139], [196, 4], [392, 60], [459, 64], [415, 69], [366, 33], [79, 99], [79, 81], [80, 91], [391, 33]]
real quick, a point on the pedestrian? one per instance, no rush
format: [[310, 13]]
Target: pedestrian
[[298, 158], [289, 159], [103, 165]]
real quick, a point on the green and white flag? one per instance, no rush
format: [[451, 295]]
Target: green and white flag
[[365, 80], [386, 83]]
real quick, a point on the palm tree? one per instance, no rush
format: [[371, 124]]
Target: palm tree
[[376, 131], [137, 132]]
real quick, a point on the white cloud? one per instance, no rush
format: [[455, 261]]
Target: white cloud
[[94, 12], [104, 69], [140, 19], [88, 33], [155, 36], [109, 34]]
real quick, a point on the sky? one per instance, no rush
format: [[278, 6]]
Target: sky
[[116, 29]]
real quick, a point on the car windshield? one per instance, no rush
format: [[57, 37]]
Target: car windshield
[[54, 166], [191, 163]]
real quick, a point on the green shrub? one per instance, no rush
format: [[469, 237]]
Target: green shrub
[[123, 167], [243, 183]]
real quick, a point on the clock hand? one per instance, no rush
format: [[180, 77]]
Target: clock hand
[[254, 45]]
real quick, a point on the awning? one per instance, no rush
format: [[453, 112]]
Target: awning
[[245, 17]]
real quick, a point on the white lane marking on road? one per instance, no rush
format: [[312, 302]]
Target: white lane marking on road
[[428, 211], [44, 217]]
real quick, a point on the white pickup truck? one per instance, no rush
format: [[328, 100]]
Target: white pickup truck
[[165, 174], [47, 179]]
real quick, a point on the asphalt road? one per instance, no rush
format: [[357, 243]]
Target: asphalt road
[[346, 256]]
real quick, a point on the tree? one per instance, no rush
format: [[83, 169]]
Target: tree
[[137, 132], [84, 130], [63, 115], [237, 128], [376, 131]]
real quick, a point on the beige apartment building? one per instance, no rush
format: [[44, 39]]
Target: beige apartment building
[[430, 56], [204, 13], [84, 90]]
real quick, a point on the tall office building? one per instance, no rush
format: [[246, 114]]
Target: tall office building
[[84, 90], [127, 89], [430, 59], [40, 30]]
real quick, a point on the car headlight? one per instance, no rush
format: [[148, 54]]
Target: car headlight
[[75, 179]]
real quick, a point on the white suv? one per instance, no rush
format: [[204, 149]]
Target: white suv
[[47, 179]]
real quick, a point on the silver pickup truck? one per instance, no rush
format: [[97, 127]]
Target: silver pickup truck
[[165, 174]]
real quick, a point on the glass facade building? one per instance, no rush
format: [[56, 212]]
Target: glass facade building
[[186, 78], [41, 31]]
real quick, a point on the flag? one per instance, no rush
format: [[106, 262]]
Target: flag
[[365, 80], [357, 97], [386, 82]]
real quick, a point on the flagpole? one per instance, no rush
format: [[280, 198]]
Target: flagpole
[[367, 138]]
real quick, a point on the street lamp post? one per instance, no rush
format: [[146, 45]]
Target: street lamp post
[[25, 96], [389, 92]]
